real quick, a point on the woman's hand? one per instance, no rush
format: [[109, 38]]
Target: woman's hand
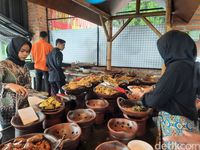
[[18, 89], [186, 138]]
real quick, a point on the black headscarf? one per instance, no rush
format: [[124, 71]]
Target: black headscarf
[[176, 46], [13, 49]]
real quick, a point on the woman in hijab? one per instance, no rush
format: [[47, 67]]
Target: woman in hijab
[[175, 93], [14, 79]]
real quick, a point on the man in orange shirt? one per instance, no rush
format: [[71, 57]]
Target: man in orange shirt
[[39, 53]]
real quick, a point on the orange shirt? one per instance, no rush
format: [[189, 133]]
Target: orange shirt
[[39, 53]]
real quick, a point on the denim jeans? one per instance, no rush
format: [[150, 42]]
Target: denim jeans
[[39, 76]]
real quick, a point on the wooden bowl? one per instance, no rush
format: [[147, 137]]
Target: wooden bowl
[[17, 123], [122, 129], [71, 131], [98, 105], [126, 106], [83, 117], [51, 139], [112, 145]]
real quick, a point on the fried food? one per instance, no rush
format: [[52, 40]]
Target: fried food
[[105, 90], [124, 79], [83, 82], [50, 103], [37, 142], [139, 108]]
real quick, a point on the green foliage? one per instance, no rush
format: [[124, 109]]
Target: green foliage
[[138, 21]]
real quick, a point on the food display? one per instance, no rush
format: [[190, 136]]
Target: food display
[[110, 80], [151, 79], [91, 79], [50, 103], [105, 90], [83, 82], [36, 142], [139, 108], [74, 85], [124, 79], [132, 109]]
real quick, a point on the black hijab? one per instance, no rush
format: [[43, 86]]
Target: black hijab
[[13, 49], [176, 46]]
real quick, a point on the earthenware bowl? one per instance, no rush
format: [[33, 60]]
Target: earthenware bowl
[[71, 131], [112, 145], [122, 129]]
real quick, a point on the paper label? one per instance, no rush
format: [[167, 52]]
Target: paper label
[[27, 115]]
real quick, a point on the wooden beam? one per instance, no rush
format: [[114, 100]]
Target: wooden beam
[[104, 27], [121, 29], [151, 14], [137, 6], [92, 8], [151, 26], [109, 47], [168, 15]]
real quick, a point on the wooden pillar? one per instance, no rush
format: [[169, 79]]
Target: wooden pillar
[[109, 46], [168, 26], [168, 15]]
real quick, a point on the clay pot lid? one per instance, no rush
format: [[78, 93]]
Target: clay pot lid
[[17, 123], [139, 145], [122, 128], [72, 131], [97, 104], [81, 116], [112, 145], [126, 106]]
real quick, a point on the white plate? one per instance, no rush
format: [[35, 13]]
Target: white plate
[[139, 145]]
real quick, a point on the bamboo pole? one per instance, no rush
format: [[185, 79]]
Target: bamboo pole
[[168, 15], [109, 46], [151, 14], [104, 27], [137, 6], [121, 29], [151, 26], [92, 8]]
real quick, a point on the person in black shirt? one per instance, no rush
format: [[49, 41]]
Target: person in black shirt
[[175, 93], [54, 63]]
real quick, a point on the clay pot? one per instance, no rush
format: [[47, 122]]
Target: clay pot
[[141, 122], [21, 129], [99, 106], [84, 118], [54, 117], [112, 145], [80, 100], [139, 145], [71, 131], [122, 129], [126, 107]]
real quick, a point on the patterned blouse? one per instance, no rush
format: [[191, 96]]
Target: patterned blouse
[[12, 73]]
